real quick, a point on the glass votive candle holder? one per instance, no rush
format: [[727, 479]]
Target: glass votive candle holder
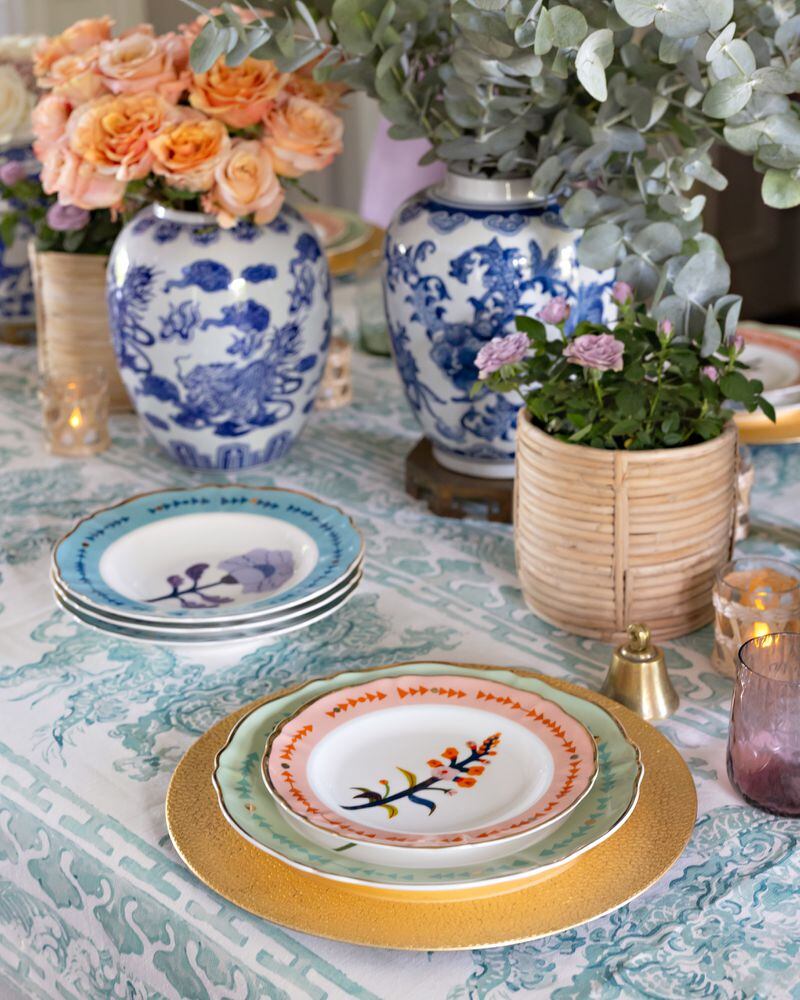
[[752, 596], [75, 411], [764, 736]]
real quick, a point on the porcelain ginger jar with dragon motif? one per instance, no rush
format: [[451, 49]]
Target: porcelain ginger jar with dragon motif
[[462, 260], [220, 334]]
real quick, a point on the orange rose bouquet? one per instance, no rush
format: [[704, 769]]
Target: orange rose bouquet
[[125, 120]]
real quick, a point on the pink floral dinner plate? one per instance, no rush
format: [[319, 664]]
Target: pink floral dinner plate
[[428, 763]]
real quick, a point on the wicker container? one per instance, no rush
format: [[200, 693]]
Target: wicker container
[[605, 538], [72, 331]]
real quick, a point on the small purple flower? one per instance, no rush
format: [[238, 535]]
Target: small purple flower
[[66, 218], [195, 571], [12, 172], [710, 372], [622, 292], [738, 343], [175, 581], [600, 351], [501, 351], [555, 311], [260, 570], [665, 327]]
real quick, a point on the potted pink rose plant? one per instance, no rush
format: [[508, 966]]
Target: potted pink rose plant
[[625, 466], [217, 290]]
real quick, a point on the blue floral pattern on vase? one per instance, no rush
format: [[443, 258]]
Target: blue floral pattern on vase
[[456, 275], [220, 341], [16, 286]]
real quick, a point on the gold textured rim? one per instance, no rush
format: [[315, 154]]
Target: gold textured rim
[[599, 881], [216, 486], [286, 806]]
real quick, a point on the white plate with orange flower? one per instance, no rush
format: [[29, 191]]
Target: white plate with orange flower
[[429, 771]]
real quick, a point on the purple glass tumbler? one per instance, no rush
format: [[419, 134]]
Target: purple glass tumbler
[[764, 736]]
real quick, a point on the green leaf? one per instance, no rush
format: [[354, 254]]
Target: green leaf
[[704, 277], [208, 47], [569, 26], [780, 189], [766, 408], [594, 55], [737, 387], [712, 334], [533, 327], [545, 37], [410, 777], [599, 246], [727, 97]]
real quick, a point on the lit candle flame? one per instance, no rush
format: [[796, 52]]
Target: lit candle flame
[[760, 628], [75, 418]]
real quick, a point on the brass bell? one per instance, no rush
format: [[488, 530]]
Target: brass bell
[[638, 678]]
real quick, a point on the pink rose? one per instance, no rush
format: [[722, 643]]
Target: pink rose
[[244, 184], [139, 62], [710, 372], [622, 292], [75, 78], [77, 182], [49, 121], [78, 38], [501, 351], [555, 311], [600, 351], [12, 172], [302, 136]]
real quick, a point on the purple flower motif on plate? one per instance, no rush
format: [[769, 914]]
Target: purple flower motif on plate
[[260, 570]]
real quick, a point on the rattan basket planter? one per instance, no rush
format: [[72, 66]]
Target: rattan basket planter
[[605, 538], [72, 331]]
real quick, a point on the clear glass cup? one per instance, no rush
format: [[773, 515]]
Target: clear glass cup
[[75, 411], [764, 736], [752, 596]]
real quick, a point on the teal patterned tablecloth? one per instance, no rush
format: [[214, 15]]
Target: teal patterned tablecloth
[[95, 903]]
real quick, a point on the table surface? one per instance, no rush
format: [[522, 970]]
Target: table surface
[[95, 903]]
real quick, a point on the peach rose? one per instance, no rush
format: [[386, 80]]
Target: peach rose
[[140, 62], [237, 95], [329, 95], [244, 184], [75, 77], [113, 132], [49, 121], [80, 37], [302, 136], [188, 152], [77, 182]]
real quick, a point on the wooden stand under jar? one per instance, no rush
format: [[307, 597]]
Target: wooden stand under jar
[[72, 330], [604, 538]]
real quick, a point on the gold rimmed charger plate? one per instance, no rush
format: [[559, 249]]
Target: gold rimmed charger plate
[[601, 880]]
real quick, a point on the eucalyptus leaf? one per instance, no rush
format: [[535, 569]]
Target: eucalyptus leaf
[[780, 189], [727, 97], [569, 26], [594, 55], [704, 277], [600, 245]]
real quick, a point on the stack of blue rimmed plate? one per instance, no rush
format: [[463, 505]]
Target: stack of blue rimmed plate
[[208, 564]]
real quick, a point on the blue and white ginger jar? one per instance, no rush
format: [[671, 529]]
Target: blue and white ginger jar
[[462, 260], [16, 288], [220, 335]]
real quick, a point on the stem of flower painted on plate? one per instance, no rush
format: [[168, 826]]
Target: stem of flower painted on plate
[[477, 755], [193, 590]]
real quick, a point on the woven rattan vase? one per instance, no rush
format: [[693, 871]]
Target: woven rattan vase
[[72, 331], [605, 538]]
